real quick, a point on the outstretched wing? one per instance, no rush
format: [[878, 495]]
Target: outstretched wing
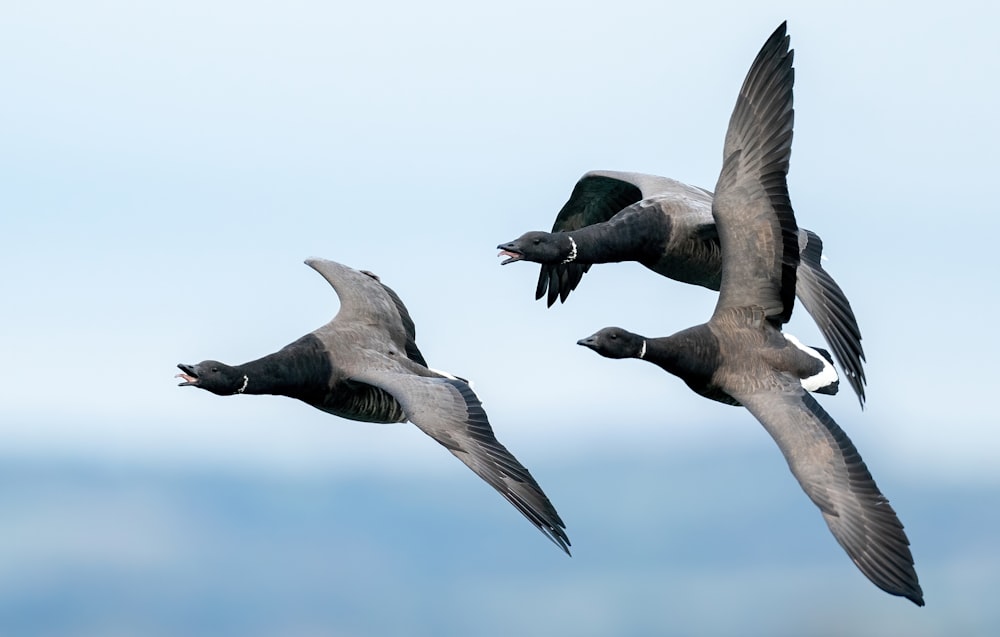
[[365, 301], [752, 210], [362, 296], [828, 305], [412, 351], [833, 475], [448, 411], [597, 197]]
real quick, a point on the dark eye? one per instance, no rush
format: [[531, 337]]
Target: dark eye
[[537, 241], [215, 370], [614, 336]]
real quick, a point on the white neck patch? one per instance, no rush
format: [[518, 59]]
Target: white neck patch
[[572, 253], [642, 350], [826, 376], [243, 387]]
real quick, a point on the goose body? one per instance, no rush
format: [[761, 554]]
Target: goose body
[[668, 227], [365, 365], [741, 354]]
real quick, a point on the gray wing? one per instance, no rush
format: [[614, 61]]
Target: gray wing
[[366, 302], [752, 210], [601, 194], [597, 197], [448, 411], [362, 296], [828, 305], [412, 351], [833, 475]]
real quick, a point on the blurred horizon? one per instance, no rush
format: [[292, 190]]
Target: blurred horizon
[[117, 548]]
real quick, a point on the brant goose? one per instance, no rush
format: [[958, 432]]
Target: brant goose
[[364, 365], [741, 355], [667, 226]]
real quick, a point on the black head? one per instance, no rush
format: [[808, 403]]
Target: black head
[[614, 342], [213, 376], [538, 247]]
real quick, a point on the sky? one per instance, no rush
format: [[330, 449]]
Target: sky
[[166, 168]]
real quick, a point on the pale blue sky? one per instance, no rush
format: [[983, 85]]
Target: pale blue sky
[[167, 167]]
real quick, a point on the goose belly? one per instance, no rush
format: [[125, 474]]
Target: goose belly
[[363, 403]]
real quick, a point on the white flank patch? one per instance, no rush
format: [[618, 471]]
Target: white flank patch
[[826, 376], [471, 385], [445, 374]]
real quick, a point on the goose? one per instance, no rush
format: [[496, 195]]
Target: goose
[[741, 353], [667, 226], [365, 365]]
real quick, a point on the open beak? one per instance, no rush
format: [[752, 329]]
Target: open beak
[[188, 373], [510, 251]]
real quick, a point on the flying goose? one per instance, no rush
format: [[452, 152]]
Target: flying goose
[[365, 365], [741, 352], [667, 226]]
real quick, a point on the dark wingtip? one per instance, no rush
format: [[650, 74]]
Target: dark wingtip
[[543, 283], [824, 299], [909, 590], [562, 541]]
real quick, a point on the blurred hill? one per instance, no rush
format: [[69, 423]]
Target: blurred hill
[[675, 544]]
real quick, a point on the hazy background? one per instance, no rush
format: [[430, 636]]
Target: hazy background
[[166, 167]]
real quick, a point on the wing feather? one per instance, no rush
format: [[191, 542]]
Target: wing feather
[[756, 224], [834, 476], [828, 305], [447, 410]]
